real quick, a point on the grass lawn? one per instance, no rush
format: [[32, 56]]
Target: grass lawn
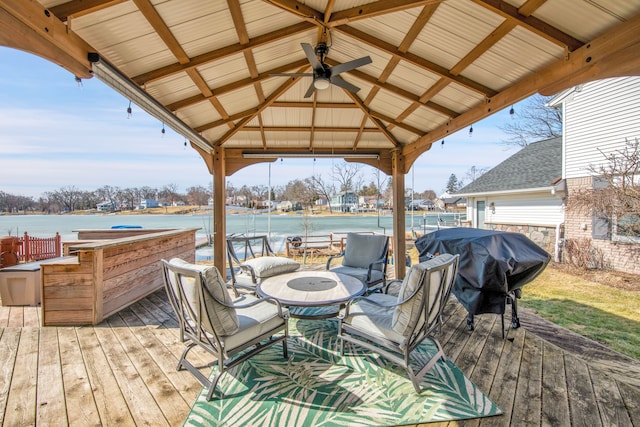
[[604, 313]]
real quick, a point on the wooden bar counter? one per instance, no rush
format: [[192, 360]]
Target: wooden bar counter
[[109, 270]]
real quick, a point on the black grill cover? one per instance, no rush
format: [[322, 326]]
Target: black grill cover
[[492, 264]]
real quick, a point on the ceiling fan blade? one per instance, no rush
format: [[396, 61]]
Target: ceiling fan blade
[[311, 56], [339, 81], [351, 65], [310, 91], [291, 74]]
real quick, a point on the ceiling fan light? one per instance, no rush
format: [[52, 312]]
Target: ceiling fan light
[[321, 83]]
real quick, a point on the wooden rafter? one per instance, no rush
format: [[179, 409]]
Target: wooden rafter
[[336, 129], [611, 54], [360, 132], [271, 99], [228, 88], [531, 23], [378, 8], [374, 120], [313, 119], [77, 8], [221, 53], [413, 59], [163, 31], [26, 25]]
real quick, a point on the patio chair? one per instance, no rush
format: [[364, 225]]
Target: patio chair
[[251, 259], [364, 257], [394, 327], [232, 330]]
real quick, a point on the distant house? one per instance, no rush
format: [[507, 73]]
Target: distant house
[[105, 207], [524, 193], [148, 203], [599, 118], [450, 202], [346, 201], [288, 206]]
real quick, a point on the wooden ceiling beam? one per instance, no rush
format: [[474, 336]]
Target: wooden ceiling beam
[[374, 120], [28, 26], [336, 129], [299, 9], [304, 104], [531, 23], [221, 53], [611, 54], [378, 8], [271, 99], [414, 60], [155, 20], [475, 53], [77, 8], [402, 93], [192, 100]]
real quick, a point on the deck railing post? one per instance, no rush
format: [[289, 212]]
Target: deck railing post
[[26, 248]]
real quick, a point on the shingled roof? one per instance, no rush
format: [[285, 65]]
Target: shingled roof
[[537, 165]]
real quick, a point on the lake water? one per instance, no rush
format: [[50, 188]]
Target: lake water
[[280, 226]]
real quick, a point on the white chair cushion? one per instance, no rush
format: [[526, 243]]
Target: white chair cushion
[[268, 266], [407, 315], [254, 321], [363, 249], [373, 320], [222, 319]]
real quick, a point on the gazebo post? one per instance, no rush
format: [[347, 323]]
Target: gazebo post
[[219, 210], [399, 221]]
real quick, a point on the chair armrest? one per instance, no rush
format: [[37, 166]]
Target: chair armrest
[[363, 298], [261, 301], [340, 255], [388, 285]]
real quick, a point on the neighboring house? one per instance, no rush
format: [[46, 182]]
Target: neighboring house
[[148, 203], [105, 207], [524, 194], [450, 202], [346, 201], [599, 118]]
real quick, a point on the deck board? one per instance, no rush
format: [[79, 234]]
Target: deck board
[[123, 372]]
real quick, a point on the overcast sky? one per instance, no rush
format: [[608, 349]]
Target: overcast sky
[[55, 133]]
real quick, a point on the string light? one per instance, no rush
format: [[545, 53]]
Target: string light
[[129, 110], [512, 112], [442, 144], [78, 81], [163, 131], [470, 130]]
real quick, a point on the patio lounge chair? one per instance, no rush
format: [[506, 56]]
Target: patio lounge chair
[[364, 257], [395, 326], [209, 318]]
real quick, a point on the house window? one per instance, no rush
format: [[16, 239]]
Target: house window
[[626, 228]]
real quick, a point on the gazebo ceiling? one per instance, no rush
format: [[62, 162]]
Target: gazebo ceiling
[[437, 66]]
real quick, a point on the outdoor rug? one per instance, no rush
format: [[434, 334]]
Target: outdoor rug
[[316, 386]]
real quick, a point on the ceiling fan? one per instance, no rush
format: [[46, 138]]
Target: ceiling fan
[[324, 75]]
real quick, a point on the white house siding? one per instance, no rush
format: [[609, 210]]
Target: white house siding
[[535, 214], [598, 119]]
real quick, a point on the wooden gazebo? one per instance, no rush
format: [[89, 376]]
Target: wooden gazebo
[[212, 70]]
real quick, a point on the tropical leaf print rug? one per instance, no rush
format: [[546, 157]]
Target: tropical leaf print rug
[[315, 386]]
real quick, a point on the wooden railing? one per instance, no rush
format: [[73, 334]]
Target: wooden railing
[[39, 248], [333, 241]]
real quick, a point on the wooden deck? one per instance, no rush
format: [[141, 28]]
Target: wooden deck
[[122, 371]]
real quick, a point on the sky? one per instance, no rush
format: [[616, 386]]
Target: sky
[[55, 133]]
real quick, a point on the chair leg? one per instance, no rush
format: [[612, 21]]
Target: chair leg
[[182, 363]]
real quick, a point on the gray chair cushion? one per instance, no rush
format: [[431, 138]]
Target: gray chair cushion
[[268, 266], [363, 249], [374, 320], [254, 321], [407, 315], [221, 319], [359, 273]]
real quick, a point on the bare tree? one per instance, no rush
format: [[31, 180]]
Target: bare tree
[[474, 173], [535, 121], [323, 189], [197, 195], [346, 175], [616, 193]]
